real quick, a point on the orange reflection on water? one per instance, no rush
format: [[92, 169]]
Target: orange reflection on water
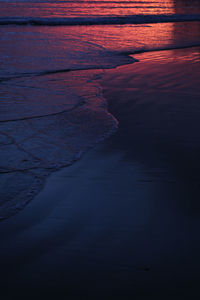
[[120, 37], [129, 38], [87, 8], [91, 8]]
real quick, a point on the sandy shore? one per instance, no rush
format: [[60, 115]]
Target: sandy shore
[[123, 222]]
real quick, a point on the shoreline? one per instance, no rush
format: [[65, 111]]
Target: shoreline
[[137, 233], [110, 132]]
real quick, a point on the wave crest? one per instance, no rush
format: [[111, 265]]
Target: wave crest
[[134, 19]]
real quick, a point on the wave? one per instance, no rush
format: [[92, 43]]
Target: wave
[[161, 48], [34, 146], [125, 54], [133, 19]]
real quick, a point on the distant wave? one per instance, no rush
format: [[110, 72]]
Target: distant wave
[[134, 19]]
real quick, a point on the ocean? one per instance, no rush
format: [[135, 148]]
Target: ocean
[[52, 55]]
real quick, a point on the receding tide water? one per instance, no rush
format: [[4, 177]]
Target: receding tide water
[[51, 107]]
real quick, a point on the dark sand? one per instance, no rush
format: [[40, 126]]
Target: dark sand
[[123, 222]]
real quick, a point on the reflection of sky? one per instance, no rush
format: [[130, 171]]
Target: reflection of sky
[[131, 37], [96, 8]]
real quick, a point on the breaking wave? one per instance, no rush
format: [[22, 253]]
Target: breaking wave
[[69, 21]]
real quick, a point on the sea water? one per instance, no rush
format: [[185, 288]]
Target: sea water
[[51, 55]]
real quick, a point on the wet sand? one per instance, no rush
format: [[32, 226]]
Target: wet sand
[[123, 222]]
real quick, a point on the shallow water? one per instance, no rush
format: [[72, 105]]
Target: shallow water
[[45, 107]]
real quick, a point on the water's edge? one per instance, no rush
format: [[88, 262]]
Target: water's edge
[[31, 176]]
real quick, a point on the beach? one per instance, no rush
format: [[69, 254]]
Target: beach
[[123, 221]]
